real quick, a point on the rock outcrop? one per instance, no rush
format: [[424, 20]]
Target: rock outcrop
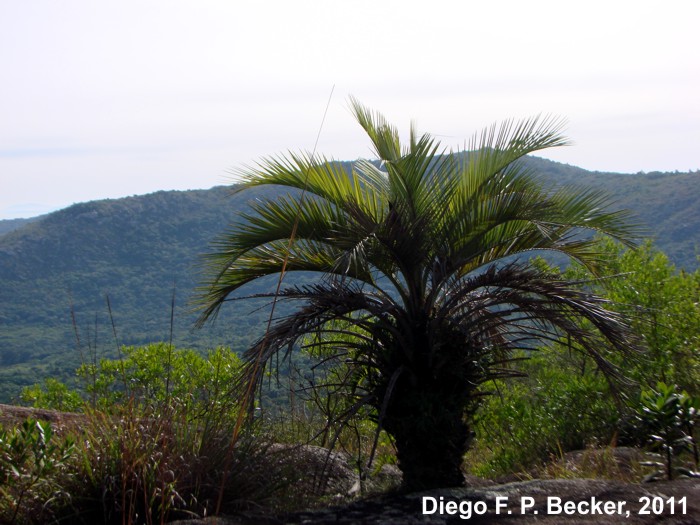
[[590, 501]]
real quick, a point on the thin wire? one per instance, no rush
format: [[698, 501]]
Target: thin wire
[[249, 393]]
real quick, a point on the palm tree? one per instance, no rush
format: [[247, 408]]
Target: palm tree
[[426, 291]]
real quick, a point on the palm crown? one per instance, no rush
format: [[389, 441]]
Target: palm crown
[[426, 275]]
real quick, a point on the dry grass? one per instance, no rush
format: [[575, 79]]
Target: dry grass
[[609, 463]]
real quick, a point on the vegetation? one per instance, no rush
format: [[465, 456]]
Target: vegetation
[[155, 373], [423, 276], [142, 456], [662, 306], [152, 445], [59, 273], [31, 465], [8, 225], [430, 331], [566, 404], [668, 419], [136, 250]]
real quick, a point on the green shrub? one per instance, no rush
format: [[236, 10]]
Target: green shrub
[[52, 395], [33, 472], [668, 418], [155, 442], [563, 404]]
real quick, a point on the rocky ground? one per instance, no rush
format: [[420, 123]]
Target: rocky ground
[[548, 501], [571, 501], [12, 415]]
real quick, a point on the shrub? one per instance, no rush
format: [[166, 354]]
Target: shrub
[[155, 444], [33, 472], [668, 418], [563, 405], [53, 395]]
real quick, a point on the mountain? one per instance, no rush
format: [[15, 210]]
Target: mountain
[[666, 204], [8, 225], [58, 273], [74, 278]]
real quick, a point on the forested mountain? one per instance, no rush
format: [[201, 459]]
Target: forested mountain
[[8, 225], [136, 252], [666, 204], [59, 271]]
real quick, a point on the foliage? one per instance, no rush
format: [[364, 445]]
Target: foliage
[[668, 419], [159, 373], [663, 308], [147, 376], [9, 225], [425, 263], [162, 463], [32, 472], [53, 394], [154, 442], [563, 404], [608, 462], [137, 251], [137, 248], [662, 305]]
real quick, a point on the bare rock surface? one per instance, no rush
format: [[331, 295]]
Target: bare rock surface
[[60, 421], [537, 501], [321, 470], [591, 501]]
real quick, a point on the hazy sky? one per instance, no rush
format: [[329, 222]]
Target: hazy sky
[[112, 98]]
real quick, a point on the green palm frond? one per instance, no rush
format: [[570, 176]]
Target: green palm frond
[[384, 136], [425, 217]]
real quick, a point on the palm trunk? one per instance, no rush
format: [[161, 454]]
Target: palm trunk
[[430, 427]]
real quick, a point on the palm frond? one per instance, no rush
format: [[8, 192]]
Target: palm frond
[[384, 136]]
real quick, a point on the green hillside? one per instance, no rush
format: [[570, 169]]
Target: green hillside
[[138, 250], [667, 204], [9, 225], [135, 251]]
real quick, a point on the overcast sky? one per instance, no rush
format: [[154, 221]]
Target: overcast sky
[[115, 98]]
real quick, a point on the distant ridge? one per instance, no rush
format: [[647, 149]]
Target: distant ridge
[[138, 250], [8, 225]]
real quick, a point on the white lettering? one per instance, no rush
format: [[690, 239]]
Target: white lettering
[[526, 503], [591, 506], [501, 503], [425, 508], [553, 505], [465, 509], [610, 507]]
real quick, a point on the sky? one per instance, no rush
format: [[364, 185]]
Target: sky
[[115, 98]]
